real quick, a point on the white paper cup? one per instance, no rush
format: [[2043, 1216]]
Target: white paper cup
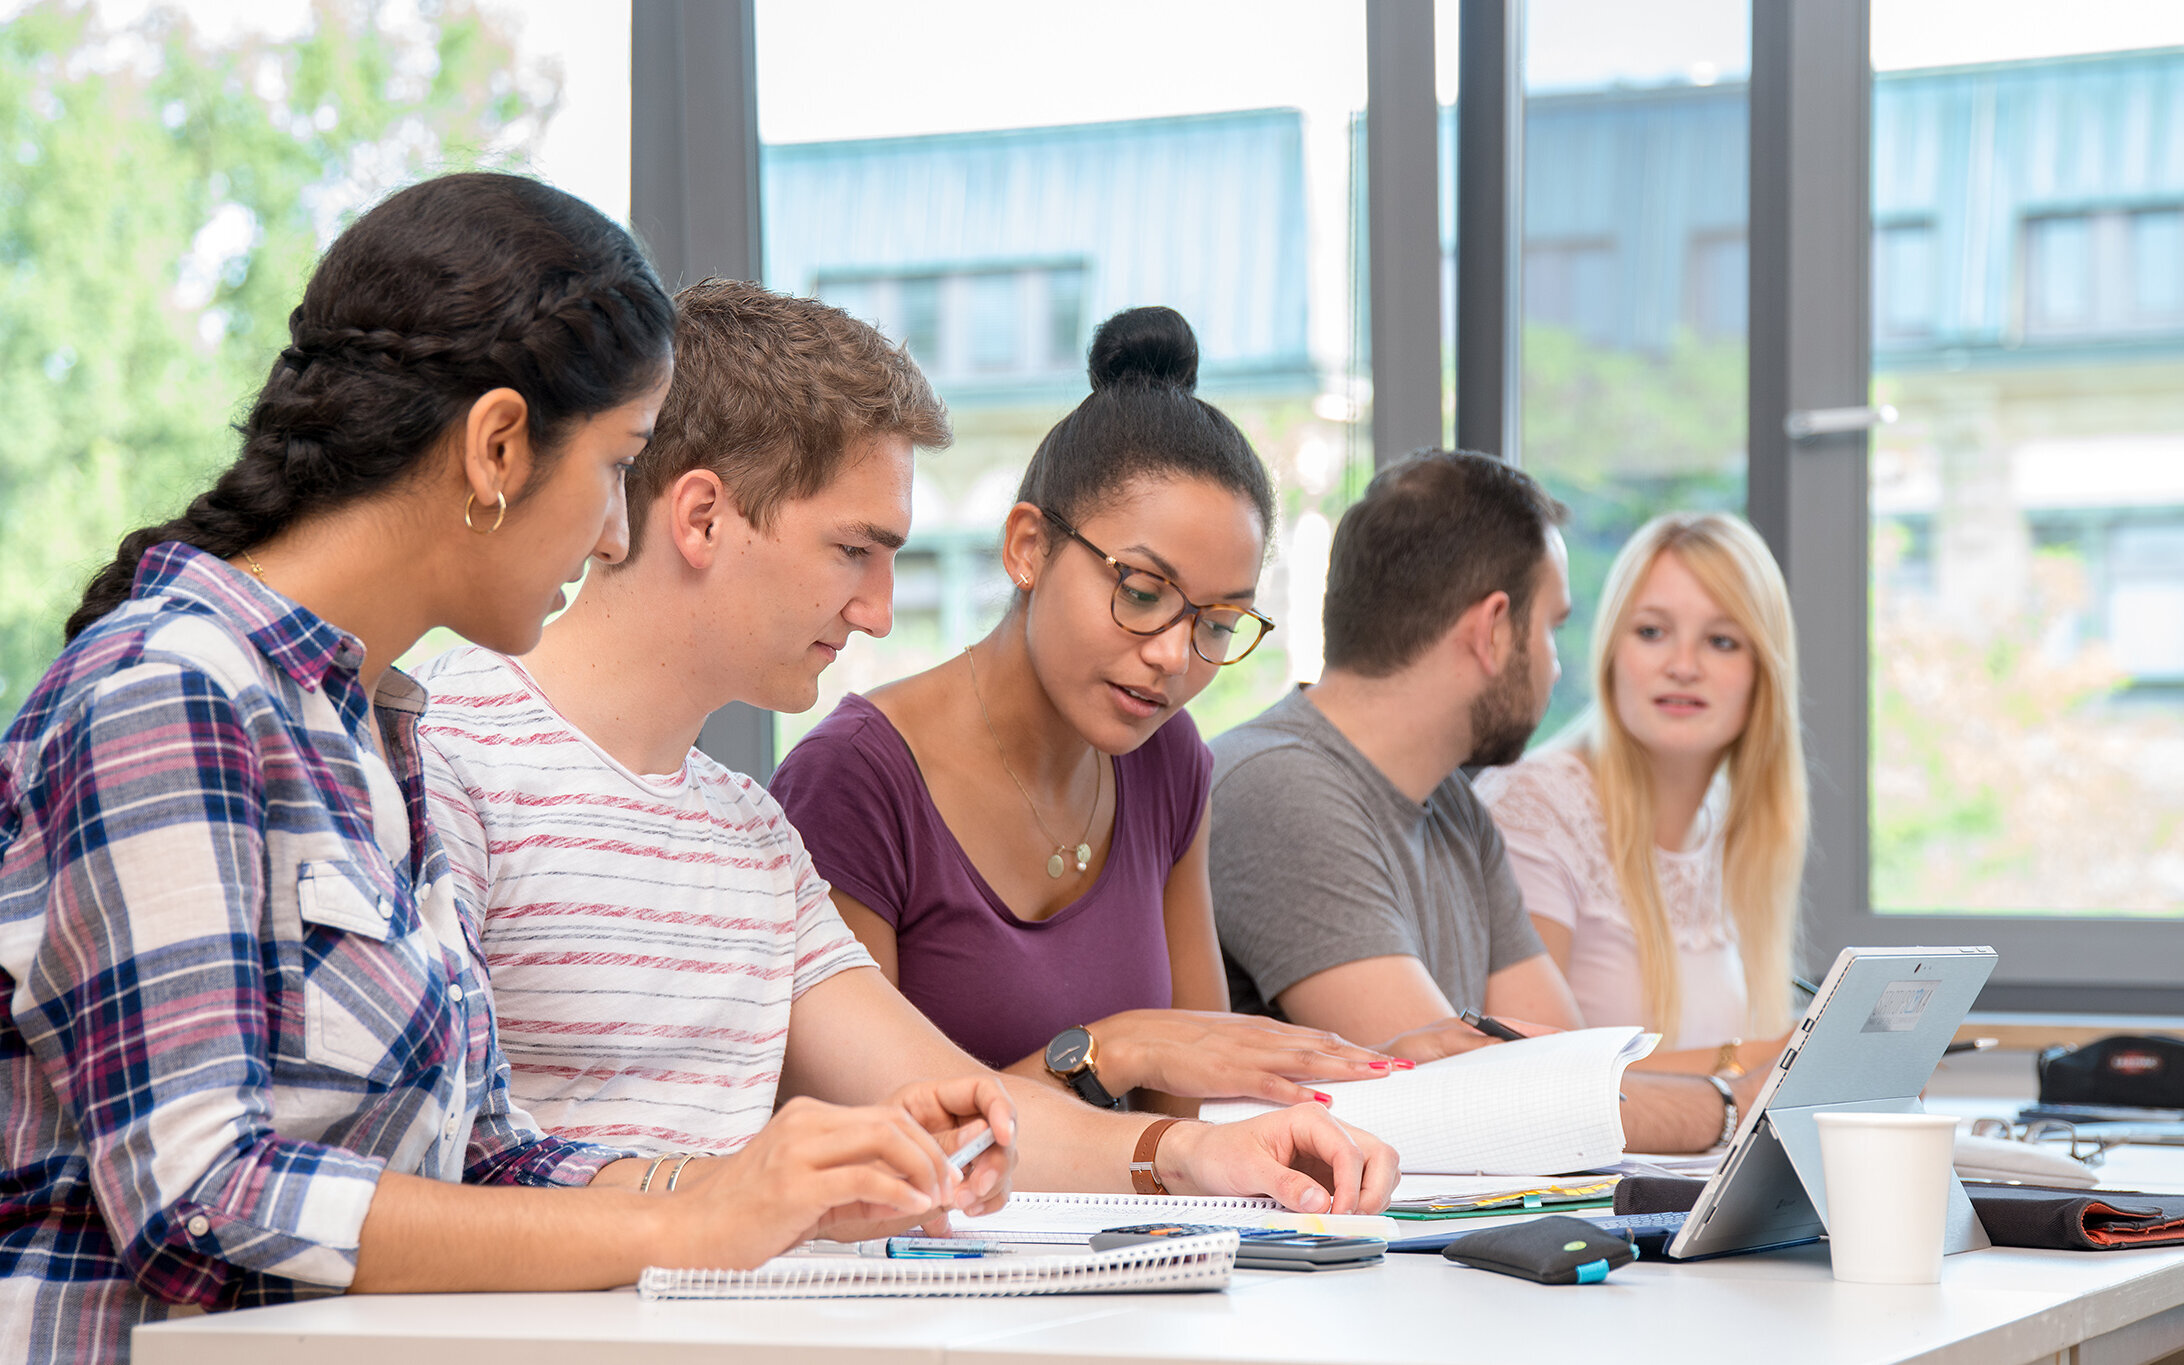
[[1888, 1194]]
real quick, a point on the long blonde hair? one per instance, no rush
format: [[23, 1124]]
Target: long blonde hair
[[1764, 833]]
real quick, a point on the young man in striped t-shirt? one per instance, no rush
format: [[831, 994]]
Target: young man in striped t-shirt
[[666, 965]]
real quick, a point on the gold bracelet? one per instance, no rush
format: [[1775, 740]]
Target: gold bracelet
[[644, 1186], [676, 1174], [1725, 1059]]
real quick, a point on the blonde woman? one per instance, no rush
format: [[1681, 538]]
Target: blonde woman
[[1660, 839]]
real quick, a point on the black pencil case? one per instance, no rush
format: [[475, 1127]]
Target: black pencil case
[[1556, 1249]]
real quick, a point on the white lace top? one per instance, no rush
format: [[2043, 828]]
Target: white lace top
[[1550, 817]]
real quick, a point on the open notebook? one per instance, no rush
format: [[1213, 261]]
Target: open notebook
[[1542, 1106], [1067, 1218], [1173, 1264]]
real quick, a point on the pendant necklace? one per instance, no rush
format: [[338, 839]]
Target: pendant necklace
[[1083, 851]]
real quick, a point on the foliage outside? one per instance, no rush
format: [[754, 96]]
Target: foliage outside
[[1622, 436], [162, 200], [2011, 776]]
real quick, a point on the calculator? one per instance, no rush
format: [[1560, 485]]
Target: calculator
[[1260, 1248]]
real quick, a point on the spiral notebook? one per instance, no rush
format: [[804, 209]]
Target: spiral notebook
[[1178, 1264], [1540, 1106]]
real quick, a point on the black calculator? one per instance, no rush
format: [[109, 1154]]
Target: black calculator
[[1260, 1248]]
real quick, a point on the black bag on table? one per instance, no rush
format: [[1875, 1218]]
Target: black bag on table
[[2126, 1072]]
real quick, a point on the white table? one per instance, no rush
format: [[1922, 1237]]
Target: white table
[[1998, 1307], [2001, 1307]]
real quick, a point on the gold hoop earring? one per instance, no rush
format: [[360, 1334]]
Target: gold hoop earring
[[499, 512]]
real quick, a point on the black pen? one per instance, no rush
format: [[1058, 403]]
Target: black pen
[[1490, 1026]]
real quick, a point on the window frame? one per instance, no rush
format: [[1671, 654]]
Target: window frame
[[695, 200], [1811, 347]]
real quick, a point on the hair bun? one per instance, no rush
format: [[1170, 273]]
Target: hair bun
[[1151, 345]]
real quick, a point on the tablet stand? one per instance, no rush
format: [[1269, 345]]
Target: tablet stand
[[1797, 1138]]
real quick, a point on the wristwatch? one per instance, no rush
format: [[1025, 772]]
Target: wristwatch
[[1073, 1058]]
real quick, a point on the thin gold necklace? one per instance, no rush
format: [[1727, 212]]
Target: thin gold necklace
[[1083, 850]]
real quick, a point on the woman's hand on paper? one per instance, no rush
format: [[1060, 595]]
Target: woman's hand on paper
[[847, 1172], [1204, 1054], [1447, 1037], [1302, 1156]]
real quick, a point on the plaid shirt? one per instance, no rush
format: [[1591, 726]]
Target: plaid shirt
[[227, 1012]]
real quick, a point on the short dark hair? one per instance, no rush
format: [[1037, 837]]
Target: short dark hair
[[1432, 536], [770, 392], [1142, 420]]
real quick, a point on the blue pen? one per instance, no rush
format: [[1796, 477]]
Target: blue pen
[[942, 1249]]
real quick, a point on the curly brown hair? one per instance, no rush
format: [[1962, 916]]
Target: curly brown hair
[[771, 392]]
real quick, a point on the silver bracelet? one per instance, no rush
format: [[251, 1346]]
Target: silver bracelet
[[1728, 1109], [644, 1186], [676, 1174]]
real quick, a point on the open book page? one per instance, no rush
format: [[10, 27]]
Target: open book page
[[1075, 1217], [1427, 1185], [1545, 1105]]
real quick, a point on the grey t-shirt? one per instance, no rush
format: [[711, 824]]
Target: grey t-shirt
[[1318, 860]]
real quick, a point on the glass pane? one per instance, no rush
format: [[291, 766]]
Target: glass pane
[[173, 172], [2028, 508], [2157, 265], [1634, 275], [989, 207]]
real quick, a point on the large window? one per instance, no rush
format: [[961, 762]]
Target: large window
[[1633, 263], [954, 182], [2028, 509]]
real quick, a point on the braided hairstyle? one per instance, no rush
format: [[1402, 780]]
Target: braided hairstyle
[[444, 291], [1142, 420]]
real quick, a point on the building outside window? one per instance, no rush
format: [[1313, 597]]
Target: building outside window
[[2028, 509]]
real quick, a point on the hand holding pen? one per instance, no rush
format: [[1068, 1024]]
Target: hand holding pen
[[1461, 1032], [847, 1173]]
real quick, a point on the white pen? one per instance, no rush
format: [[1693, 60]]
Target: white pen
[[963, 1156]]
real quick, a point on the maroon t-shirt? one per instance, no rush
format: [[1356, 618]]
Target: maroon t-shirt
[[999, 986]]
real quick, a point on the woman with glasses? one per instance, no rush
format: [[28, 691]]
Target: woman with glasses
[[1019, 835]]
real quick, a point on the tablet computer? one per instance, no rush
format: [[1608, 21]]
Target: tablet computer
[[1868, 1043]]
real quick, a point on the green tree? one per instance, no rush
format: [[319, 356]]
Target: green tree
[[162, 199]]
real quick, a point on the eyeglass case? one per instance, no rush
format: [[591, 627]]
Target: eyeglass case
[[1551, 1250]]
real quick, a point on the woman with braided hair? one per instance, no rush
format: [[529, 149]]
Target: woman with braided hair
[[248, 1055]]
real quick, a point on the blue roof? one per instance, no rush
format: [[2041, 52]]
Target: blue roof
[[1642, 191], [1974, 153], [1203, 213]]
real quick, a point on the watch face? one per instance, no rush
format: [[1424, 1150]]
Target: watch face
[[1067, 1052]]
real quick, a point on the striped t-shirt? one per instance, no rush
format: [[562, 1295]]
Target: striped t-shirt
[[645, 934]]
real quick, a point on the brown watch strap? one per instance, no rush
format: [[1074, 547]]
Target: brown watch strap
[[1142, 1178]]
